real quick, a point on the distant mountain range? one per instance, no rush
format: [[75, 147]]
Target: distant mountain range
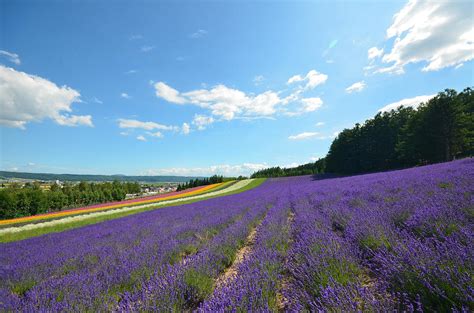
[[97, 178]]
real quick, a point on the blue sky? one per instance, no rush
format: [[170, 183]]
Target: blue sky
[[197, 88]]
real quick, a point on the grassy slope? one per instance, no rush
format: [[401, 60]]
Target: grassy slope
[[62, 227]]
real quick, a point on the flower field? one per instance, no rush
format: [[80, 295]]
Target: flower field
[[112, 205], [392, 241]]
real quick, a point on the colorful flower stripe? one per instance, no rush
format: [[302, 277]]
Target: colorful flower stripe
[[218, 191], [113, 205]]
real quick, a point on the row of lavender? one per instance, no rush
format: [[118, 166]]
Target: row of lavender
[[396, 241], [107, 265], [399, 240]]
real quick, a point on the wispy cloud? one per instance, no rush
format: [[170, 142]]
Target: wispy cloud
[[198, 34], [220, 169], [258, 80], [135, 37], [141, 138], [408, 102], [12, 57], [130, 123], [304, 135], [146, 48], [124, 95], [131, 72], [356, 87]]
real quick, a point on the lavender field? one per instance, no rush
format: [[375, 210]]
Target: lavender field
[[392, 241]]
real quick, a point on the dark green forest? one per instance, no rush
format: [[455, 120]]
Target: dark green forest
[[439, 130], [305, 169], [17, 201]]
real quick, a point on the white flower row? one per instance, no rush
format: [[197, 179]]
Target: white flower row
[[233, 187]]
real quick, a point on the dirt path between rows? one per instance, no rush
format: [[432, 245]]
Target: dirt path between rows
[[231, 272]]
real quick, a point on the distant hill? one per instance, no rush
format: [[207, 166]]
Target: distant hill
[[96, 178]]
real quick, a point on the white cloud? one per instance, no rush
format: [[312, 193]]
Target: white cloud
[[12, 57], [31, 164], [135, 37], [356, 87], [305, 135], [27, 98], [313, 78], [131, 72], [129, 123], [75, 120], [438, 33], [198, 34], [124, 133], [311, 104], [294, 79], [319, 124], [146, 48], [409, 102], [185, 129], [257, 80], [222, 169], [124, 95], [164, 91], [228, 103], [156, 134], [374, 53], [96, 100], [201, 121], [141, 138]]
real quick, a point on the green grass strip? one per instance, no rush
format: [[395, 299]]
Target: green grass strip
[[9, 237]]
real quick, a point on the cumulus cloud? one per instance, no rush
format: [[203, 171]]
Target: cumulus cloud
[[130, 123], [313, 78], [294, 79], [374, 53], [186, 129], [75, 120], [438, 33], [304, 135], [198, 34], [408, 102], [222, 169], [141, 138], [311, 104], [226, 103], [356, 87], [12, 57], [164, 91], [26, 98], [202, 121]]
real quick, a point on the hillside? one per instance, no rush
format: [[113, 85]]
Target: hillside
[[96, 178]]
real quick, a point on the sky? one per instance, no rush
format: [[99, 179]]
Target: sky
[[202, 88]]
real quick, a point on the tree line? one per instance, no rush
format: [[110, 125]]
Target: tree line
[[200, 182], [30, 199], [305, 169], [440, 130]]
